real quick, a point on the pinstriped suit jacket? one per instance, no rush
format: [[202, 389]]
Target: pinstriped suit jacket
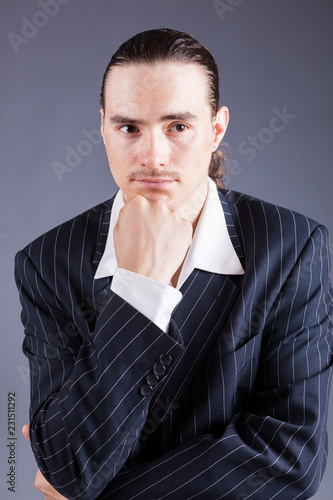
[[239, 413]]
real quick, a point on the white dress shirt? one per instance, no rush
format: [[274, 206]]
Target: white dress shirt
[[211, 250]]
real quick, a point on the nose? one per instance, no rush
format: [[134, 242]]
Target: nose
[[153, 152]]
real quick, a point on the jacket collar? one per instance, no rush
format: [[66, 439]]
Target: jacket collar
[[103, 232]]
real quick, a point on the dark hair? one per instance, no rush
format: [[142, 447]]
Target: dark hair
[[165, 44]]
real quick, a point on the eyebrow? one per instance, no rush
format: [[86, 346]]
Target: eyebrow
[[121, 120]]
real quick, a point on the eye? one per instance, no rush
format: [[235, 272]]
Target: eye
[[179, 127], [129, 129]]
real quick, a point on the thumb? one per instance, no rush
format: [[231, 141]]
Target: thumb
[[25, 431]]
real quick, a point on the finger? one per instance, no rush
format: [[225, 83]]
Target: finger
[[25, 431]]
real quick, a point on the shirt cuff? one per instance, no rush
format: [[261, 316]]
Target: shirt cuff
[[153, 299]]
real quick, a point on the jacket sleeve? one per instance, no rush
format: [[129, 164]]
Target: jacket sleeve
[[277, 447], [90, 398]]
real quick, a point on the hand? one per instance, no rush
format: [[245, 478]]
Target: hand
[[151, 239], [40, 482]]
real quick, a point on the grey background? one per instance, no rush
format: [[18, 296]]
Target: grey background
[[271, 54]]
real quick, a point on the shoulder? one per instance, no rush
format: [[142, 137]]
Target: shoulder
[[263, 224], [260, 211], [78, 234]]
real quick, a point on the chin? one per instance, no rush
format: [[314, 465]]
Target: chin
[[155, 195]]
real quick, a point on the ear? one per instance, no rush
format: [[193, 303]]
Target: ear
[[102, 121], [220, 126]]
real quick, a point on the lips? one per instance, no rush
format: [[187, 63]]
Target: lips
[[155, 183]]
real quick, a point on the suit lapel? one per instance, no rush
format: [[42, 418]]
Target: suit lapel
[[206, 305], [100, 291], [103, 233], [230, 215], [203, 291]]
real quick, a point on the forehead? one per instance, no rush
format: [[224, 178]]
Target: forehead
[[160, 86]]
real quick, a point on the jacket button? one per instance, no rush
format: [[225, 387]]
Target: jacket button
[[166, 359], [146, 390], [152, 379], [159, 369]]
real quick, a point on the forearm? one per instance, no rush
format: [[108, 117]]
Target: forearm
[[254, 457], [101, 398]]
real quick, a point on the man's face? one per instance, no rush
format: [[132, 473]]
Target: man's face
[[159, 131]]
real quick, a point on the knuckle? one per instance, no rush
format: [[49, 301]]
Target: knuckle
[[161, 205], [136, 201], [138, 204], [187, 225], [139, 199]]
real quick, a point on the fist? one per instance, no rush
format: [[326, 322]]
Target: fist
[[151, 239]]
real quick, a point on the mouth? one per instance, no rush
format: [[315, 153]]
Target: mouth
[[155, 183]]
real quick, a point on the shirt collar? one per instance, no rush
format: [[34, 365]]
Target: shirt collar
[[211, 249]]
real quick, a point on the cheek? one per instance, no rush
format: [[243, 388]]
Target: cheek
[[199, 145], [117, 155], [184, 153], [123, 152]]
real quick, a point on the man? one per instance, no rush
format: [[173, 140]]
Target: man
[[178, 334]]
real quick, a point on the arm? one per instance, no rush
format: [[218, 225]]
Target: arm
[[89, 399], [40, 482], [277, 447], [86, 404]]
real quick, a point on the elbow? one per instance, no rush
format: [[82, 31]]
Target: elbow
[[306, 472]]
